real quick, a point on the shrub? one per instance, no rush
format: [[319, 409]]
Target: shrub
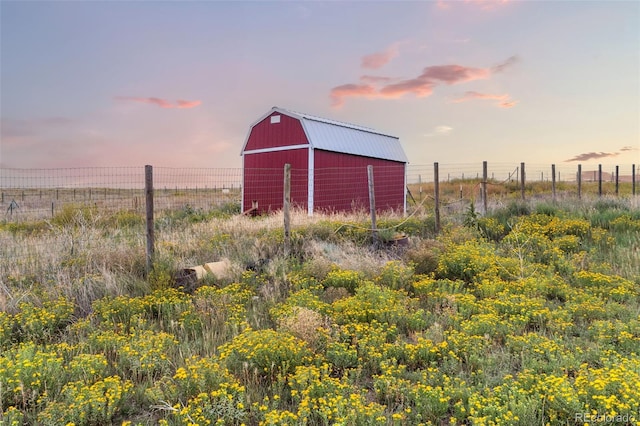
[[349, 280], [375, 303], [470, 262], [264, 354], [424, 257], [88, 405], [7, 325], [27, 373], [41, 324], [396, 276]]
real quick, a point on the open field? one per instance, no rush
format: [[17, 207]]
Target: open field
[[527, 315]]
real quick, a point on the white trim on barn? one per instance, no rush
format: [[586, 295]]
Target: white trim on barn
[[242, 187], [404, 212], [275, 149], [310, 181]]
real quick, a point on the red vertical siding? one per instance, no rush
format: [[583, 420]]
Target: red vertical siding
[[287, 132], [340, 182], [263, 179]]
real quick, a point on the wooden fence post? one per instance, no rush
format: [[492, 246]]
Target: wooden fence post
[[522, 178], [599, 180], [286, 202], [553, 182], [484, 187], [617, 180], [148, 189], [579, 181], [372, 204], [436, 190], [633, 179]]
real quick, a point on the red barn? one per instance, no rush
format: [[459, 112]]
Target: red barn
[[328, 160]]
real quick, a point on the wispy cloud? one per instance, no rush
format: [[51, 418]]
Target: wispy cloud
[[595, 155], [28, 127], [504, 101], [420, 86], [482, 4], [162, 103], [591, 156], [487, 4], [508, 63], [380, 59], [440, 131]]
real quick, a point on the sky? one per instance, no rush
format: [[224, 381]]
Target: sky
[[178, 83]]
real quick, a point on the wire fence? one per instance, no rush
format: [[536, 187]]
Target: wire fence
[[43, 199], [32, 194]]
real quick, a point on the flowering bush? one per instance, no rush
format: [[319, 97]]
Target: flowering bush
[[372, 302], [223, 406], [396, 276], [349, 280], [42, 323], [139, 355], [323, 399], [197, 376], [96, 404], [264, 354], [27, 373], [7, 324]]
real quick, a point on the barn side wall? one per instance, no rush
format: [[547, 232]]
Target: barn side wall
[[263, 179], [265, 134], [340, 182]]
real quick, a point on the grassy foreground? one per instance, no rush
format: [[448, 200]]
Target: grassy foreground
[[527, 316]]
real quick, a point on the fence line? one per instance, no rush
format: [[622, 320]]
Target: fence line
[[45, 194], [42, 193]]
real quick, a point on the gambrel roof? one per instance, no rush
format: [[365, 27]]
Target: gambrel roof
[[336, 136]]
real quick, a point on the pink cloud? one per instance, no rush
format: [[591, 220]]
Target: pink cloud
[[507, 104], [505, 100], [591, 156], [338, 93], [629, 148], [187, 104], [379, 59], [454, 74], [372, 79], [421, 86], [162, 103]]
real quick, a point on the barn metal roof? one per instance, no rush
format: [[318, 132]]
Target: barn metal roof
[[336, 136]]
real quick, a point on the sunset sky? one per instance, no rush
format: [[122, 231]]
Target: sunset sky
[[177, 84]]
